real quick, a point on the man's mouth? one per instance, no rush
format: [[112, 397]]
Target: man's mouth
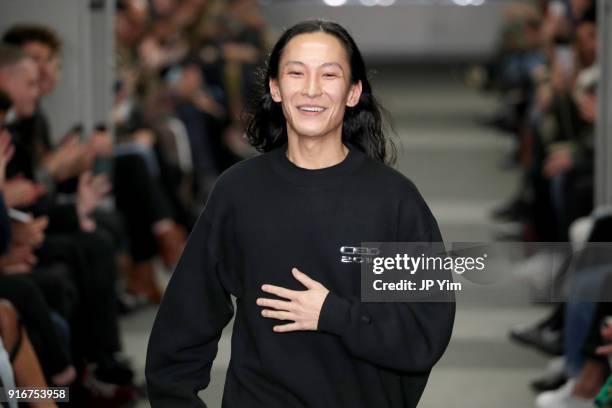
[[311, 108]]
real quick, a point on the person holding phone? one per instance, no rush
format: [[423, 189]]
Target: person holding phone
[[271, 235]]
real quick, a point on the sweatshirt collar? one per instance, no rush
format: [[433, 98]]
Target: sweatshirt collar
[[316, 177]]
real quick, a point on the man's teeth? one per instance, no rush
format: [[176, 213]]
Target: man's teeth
[[312, 109]]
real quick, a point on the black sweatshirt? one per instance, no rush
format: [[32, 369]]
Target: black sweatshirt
[[264, 216]]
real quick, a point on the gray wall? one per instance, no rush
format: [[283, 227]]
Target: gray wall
[[415, 30]]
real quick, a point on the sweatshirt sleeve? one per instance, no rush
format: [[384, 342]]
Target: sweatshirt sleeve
[[408, 336], [195, 308]]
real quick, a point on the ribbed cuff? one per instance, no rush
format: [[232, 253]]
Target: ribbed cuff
[[335, 314]]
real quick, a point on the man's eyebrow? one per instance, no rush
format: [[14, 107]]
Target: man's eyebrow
[[332, 64], [294, 63], [325, 64]]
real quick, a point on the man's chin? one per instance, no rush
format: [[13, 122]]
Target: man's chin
[[311, 131]]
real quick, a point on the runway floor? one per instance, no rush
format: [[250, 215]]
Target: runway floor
[[454, 162]]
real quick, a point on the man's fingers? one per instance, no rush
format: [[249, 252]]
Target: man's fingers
[[280, 292], [289, 327], [303, 278], [278, 315], [275, 304]]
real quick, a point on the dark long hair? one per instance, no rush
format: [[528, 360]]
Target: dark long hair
[[364, 125]]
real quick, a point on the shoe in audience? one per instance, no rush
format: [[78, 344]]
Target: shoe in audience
[[115, 371], [516, 210], [512, 231], [562, 398], [550, 398], [94, 393], [549, 382], [538, 272], [553, 378], [142, 283], [171, 239], [541, 338]]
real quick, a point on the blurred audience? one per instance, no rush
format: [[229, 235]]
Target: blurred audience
[[184, 68], [546, 74], [85, 216]]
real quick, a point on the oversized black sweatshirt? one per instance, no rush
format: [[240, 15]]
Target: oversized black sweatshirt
[[264, 216]]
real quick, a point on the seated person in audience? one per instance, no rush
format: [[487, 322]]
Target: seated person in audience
[[43, 46], [72, 238], [17, 241]]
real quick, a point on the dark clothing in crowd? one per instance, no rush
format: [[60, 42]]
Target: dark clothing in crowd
[[35, 313], [31, 137], [141, 199], [92, 261]]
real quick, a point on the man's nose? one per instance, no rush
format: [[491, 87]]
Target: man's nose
[[312, 87]]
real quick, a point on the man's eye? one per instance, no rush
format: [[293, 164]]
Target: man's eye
[[330, 75], [295, 73]]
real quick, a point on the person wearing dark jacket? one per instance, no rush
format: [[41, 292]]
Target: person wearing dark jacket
[[271, 235]]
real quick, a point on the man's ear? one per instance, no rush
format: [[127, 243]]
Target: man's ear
[[274, 90], [354, 95]]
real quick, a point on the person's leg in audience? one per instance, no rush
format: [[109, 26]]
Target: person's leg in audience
[[27, 298], [27, 369], [594, 369], [150, 226], [55, 282], [584, 286], [95, 322]]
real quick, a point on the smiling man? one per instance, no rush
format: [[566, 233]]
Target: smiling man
[[272, 235], [316, 88]]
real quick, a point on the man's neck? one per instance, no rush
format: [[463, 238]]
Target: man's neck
[[316, 153]]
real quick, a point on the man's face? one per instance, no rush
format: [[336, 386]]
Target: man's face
[[20, 82], [314, 86], [48, 64]]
